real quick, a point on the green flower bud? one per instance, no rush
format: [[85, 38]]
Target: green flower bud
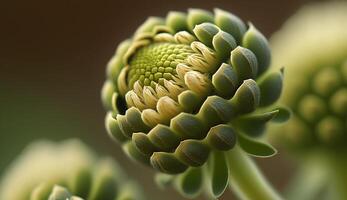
[[315, 83], [188, 85], [65, 171]]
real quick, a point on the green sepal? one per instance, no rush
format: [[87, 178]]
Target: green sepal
[[113, 129], [254, 124], [218, 171], [106, 94], [188, 126], [124, 126], [244, 62], [189, 100], [190, 183], [192, 152], [205, 32], [225, 81], [270, 88], [230, 23], [132, 151], [143, 144], [247, 97], [198, 16], [133, 117], [258, 44], [221, 137], [254, 147], [167, 163], [216, 110], [177, 21], [163, 138], [223, 43]]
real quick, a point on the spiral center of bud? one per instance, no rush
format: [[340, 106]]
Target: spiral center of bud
[[153, 63]]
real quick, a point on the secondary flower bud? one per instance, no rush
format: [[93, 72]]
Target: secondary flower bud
[[65, 171], [315, 82]]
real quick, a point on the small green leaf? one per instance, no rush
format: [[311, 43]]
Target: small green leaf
[[257, 121], [254, 147], [219, 173], [283, 114], [189, 183]]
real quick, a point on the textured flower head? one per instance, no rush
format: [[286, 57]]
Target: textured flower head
[[188, 85], [65, 171], [316, 77]]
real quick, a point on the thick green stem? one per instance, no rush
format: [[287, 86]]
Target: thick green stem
[[246, 180], [310, 180], [339, 177]]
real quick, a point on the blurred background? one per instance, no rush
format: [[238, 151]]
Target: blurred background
[[52, 66]]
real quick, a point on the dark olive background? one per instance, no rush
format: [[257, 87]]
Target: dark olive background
[[52, 66]]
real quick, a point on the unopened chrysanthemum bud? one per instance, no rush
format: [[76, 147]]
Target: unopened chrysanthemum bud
[[193, 83], [315, 85], [65, 171]]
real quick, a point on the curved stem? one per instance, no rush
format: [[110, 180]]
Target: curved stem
[[245, 178], [339, 178], [310, 180]]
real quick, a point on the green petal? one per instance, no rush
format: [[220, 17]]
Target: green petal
[[230, 23], [216, 110], [221, 137], [270, 88], [188, 126], [225, 81], [143, 144], [258, 44], [164, 138], [189, 100], [132, 151], [244, 62], [205, 32], [113, 129], [254, 147], [247, 97], [177, 21], [133, 117], [106, 94], [223, 43], [167, 163], [192, 152], [198, 16]]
